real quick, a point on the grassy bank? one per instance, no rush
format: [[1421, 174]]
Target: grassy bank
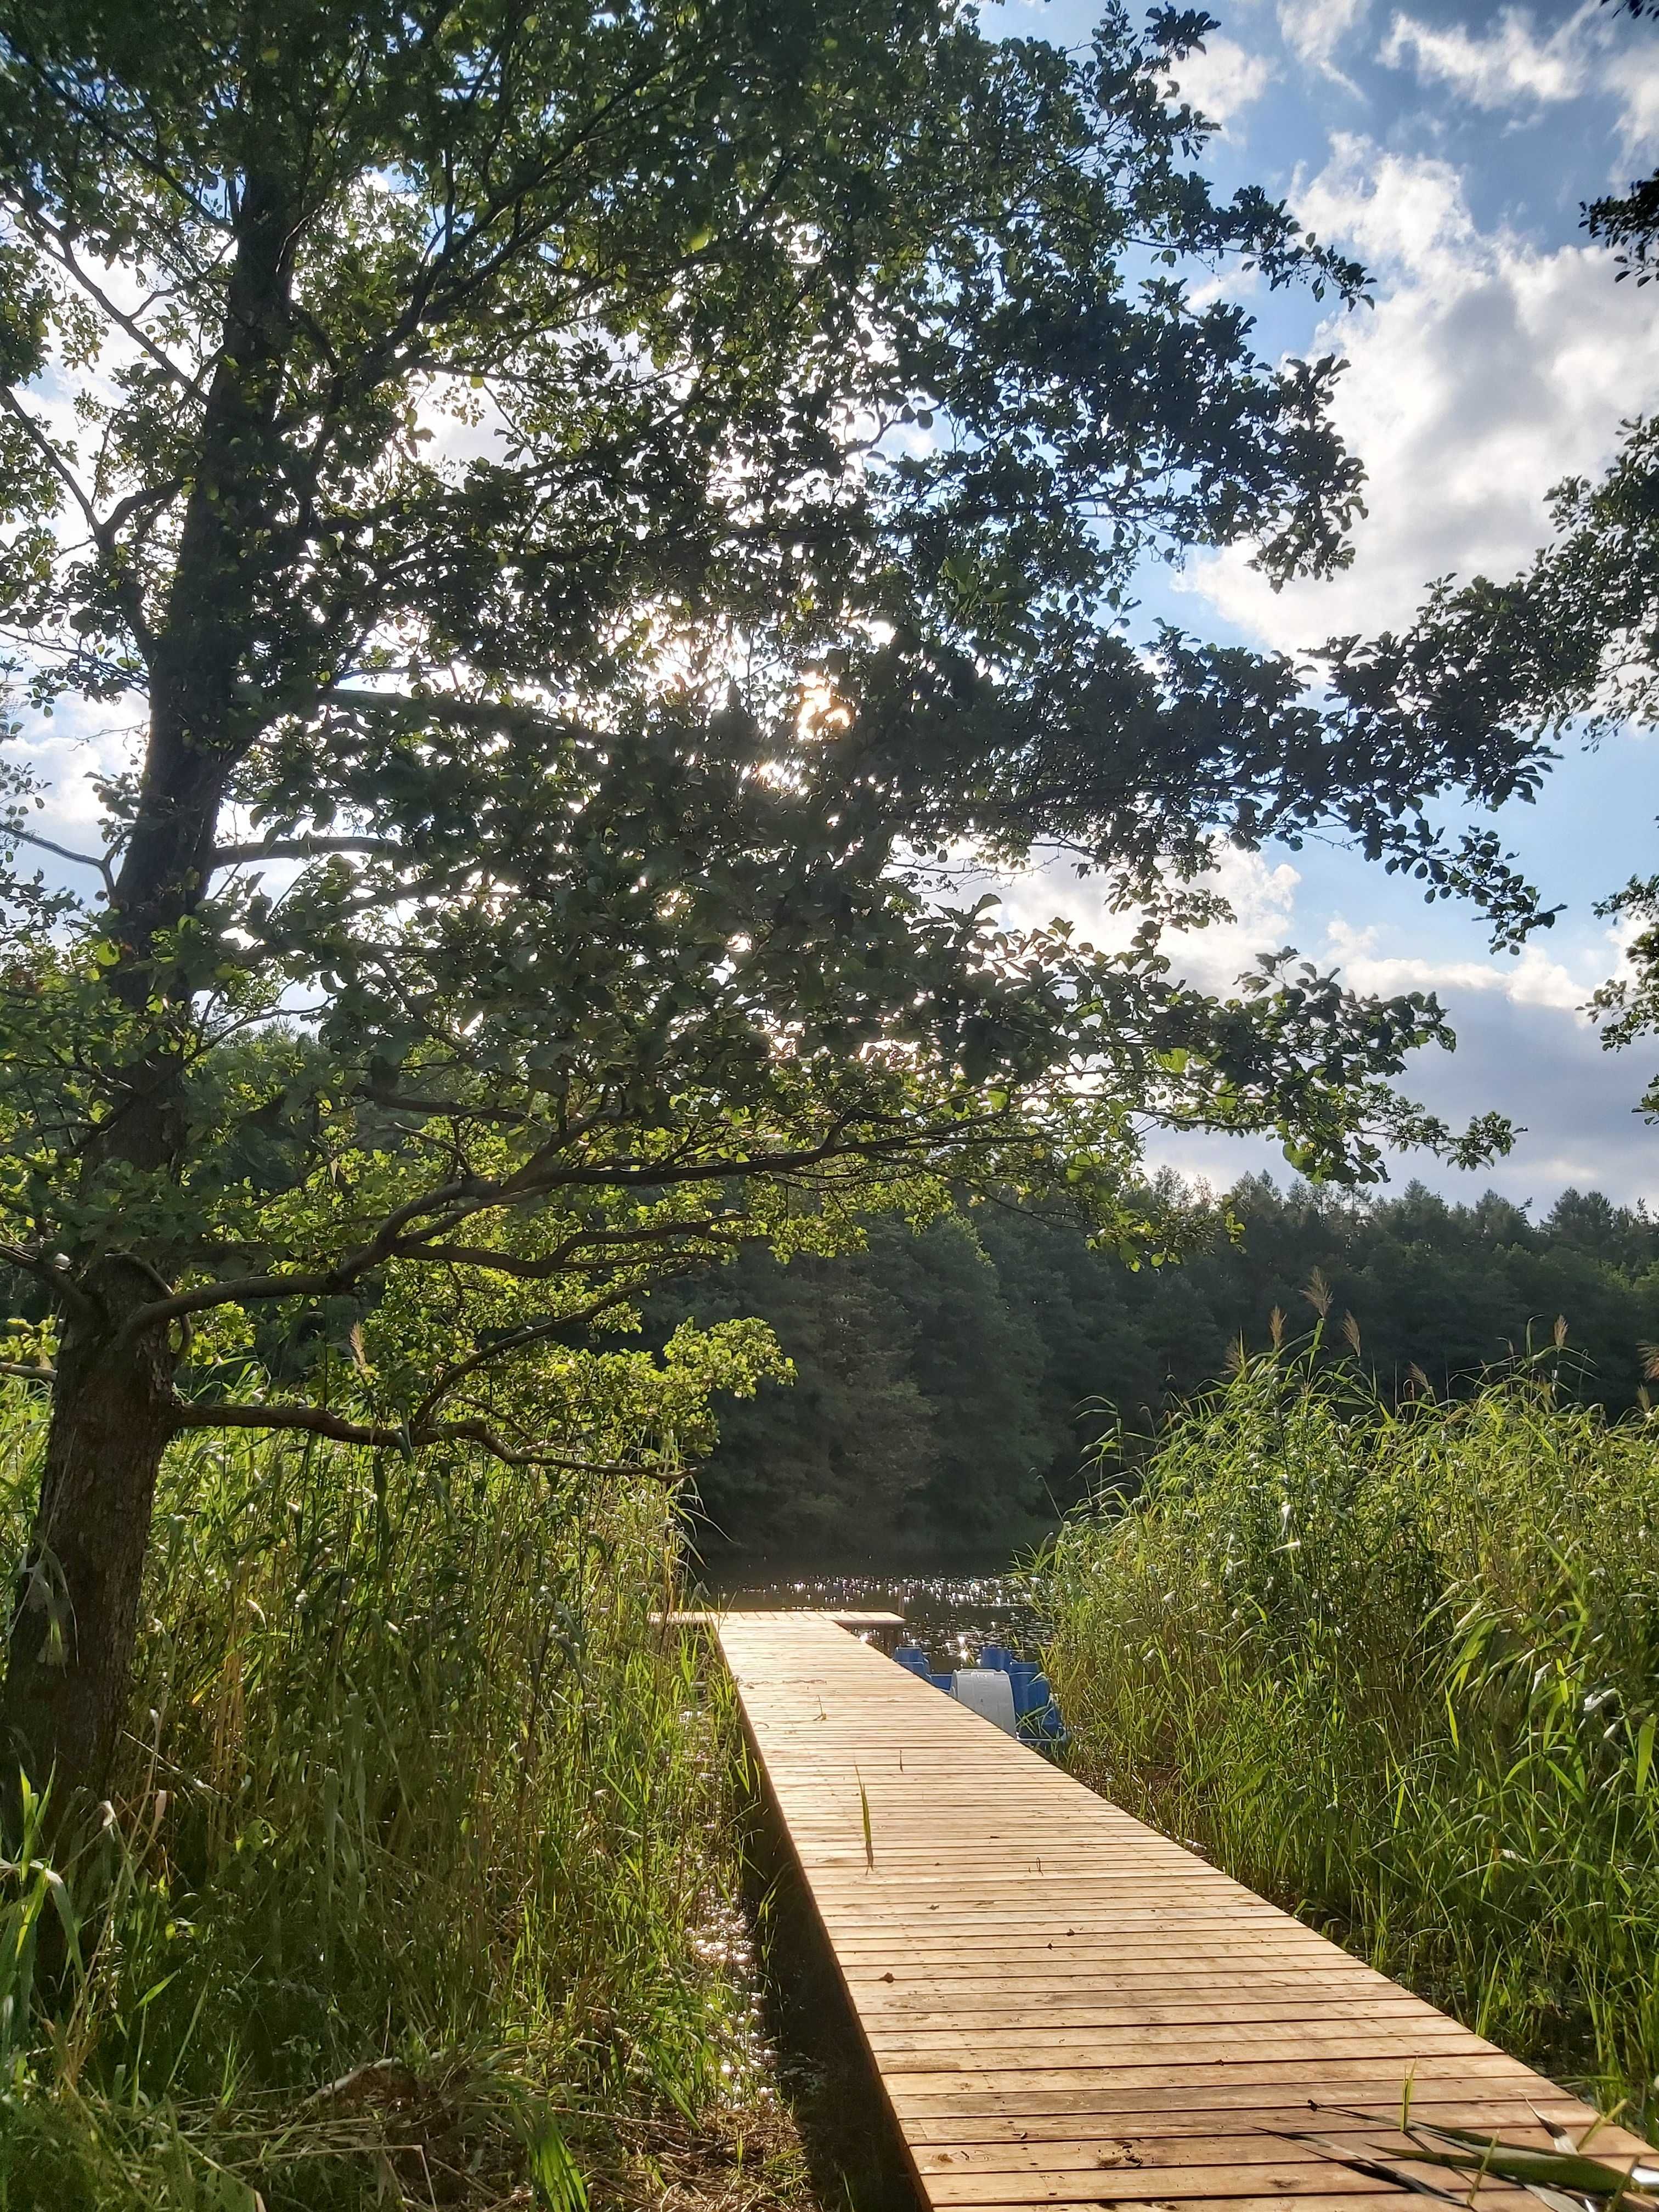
[[421, 1884], [1399, 1669]]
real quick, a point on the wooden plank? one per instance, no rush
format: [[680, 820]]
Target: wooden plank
[[1048, 2020], [1219, 2185], [1373, 2083], [1492, 2200], [1169, 2132], [1141, 2152], [710, 1618], [1062, 2006]]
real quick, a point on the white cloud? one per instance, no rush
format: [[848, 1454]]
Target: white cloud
[[1511, 62], [1315, 30], [1574, 1104], [1524, 1046], [1533, 979], [66, 753], [1514, 64], [1489, 369], [1261, 892], [1224, 79], [1635, 79]]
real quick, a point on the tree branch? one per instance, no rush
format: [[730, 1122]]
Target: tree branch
[[54, 460], [563, 1257], [317, 1420], [49, 845], [453, 1109], [54, 1273], [63, 252], [127, 589], [300, 848], [155, 494], [459, 1200], [448, 707], [521, 1339], [245, 1289]]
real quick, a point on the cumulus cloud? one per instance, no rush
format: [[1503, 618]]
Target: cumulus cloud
[[67, 754], [1511, 63], [1317, 30], [1543, 1066], [1514, 64], [1261, 892], [1490, 368], [1533, 979], [1524, 1046], [1224, 79]]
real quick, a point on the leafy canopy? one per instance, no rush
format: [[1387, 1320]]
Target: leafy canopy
[[601, 518]]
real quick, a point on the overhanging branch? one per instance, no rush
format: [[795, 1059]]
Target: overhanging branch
[[543, 1330], [317, 1420], [52, 1270], [610, 1246], [301, 848], [56, 244], [13, 834], [449, 706], [447, 1207]]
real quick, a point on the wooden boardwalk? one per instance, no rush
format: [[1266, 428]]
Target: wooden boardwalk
[[1063, 2007]]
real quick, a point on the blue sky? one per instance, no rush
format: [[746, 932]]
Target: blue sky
[[1447, 147]]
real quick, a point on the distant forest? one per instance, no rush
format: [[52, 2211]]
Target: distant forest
[[950, 1386]]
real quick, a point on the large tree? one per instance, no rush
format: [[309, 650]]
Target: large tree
[[593, 513]]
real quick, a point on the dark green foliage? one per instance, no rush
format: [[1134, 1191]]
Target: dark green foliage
[[593, 512], [949, 1385], [841, 1457], [916, 1420], [1443, 1287]]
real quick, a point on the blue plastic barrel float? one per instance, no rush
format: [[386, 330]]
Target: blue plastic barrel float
[[1036, 1717]]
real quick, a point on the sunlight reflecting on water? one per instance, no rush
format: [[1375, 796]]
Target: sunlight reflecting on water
[[953, 1615]]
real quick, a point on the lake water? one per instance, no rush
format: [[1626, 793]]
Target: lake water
[[953, 1616]]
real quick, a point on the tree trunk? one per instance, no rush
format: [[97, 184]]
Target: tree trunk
[[73, 1629], [70, 1648]]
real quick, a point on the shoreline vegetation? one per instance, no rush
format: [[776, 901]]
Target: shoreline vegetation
[[431, 1874], [1393, 1666], [580, 553], [422, 1880], [950, 1386]]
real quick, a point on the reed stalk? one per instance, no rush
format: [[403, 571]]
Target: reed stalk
[[421, 1883], [1397, 1667]]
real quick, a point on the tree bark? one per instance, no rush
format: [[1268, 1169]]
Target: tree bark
[[71, 1645]]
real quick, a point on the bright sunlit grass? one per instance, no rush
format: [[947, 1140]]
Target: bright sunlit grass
[[421, 1884], [1400, 1670]]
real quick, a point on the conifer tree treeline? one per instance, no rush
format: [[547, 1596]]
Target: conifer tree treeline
[[950, 1385]]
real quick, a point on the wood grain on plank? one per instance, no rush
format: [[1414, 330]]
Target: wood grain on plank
[[1063, 2007]]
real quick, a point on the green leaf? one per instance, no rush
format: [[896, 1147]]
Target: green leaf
[[555, 2176]]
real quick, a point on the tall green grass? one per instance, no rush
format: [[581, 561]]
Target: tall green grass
[[1399, 1668], [421, 1862]]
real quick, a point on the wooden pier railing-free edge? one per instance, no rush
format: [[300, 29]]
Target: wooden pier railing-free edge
[[1061, 2006]]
